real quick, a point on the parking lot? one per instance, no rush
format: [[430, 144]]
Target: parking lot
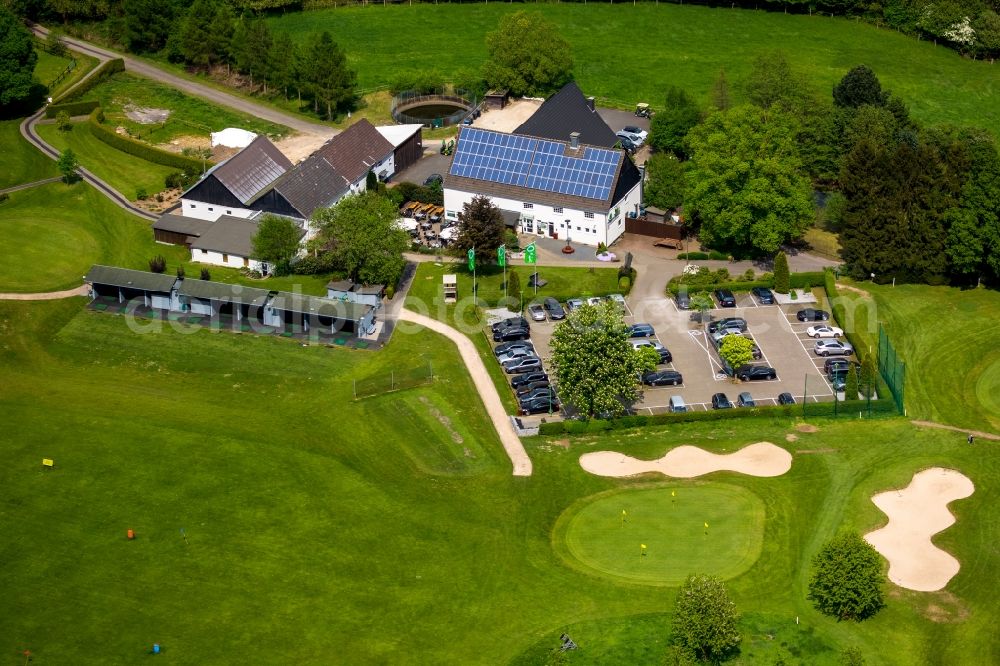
[[775, 329]]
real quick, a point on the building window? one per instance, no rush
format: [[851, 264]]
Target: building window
[[225, 257], [451, 215], [229, 212], [210, 209], [528, 206], [191, 206], [204, 251], [557, 211], [589, 216], [246, 262], [578, 228]]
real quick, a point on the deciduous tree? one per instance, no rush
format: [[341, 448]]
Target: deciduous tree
[[527, 56], [773, 83], [847, 578], [665, 181], [859, 86], [745, 181], [669, 128], [596, 364], [706, 619], [276, 241], [480, 227], [67, 165], [736, 350], [362, 238], [17, 60]]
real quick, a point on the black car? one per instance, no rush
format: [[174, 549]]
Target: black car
[[683, 301], [520, 365], [641, 331], [786, 399], [499, 350], [721, 401], [539, 406], [745, 400], [526, 389], [725, 298], [838, 365], [527, 378], [662, 378], [510, 322], [738, 323], [810, 314], [543, 392], [433, 179], [752, 373], [553, 308], [764, 295], [511, 333]]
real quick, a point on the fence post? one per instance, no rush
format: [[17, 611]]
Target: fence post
[[392, 380]]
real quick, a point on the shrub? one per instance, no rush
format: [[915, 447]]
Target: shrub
[[390, 291], [80, 108], [139, 149], [63, 123], [718, 256], [706, 622], [4, 197], [180, 272], [141, 193], [101, 72], [781, 284], [158, 264], [851, 383], [205, 275], [180, 180], [748, 275], [846, 580], [693, 256]]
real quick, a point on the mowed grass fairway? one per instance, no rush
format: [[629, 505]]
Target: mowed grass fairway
[[671, 524], [22, 162], [669, 45]]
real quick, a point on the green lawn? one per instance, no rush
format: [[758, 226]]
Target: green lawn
[[190, 116], [126, 173], [676, 45], [390, 530], [22, 162], [606, 534], [949, 340], [49, 66]]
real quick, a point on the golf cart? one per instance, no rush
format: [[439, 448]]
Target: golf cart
[[642, 110]]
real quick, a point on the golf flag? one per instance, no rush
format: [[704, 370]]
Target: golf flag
[[529, 254], [472, 259], [624, 513], [706, 526], [673, 493], [501, 256], [642, 549]]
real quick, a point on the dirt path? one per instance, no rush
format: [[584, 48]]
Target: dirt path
[[847, 287], [942, 426], [47, 295], [484, 385]]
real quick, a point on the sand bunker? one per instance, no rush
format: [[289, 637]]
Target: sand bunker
[[685, 462], [916, 513]]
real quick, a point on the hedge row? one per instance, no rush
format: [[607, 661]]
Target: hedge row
[[796, 281], [696, 256], [79, 108], [139, 149], [884, 406], [102, 72]]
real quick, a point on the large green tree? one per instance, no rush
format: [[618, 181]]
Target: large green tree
[[706, 621], [595, 363], [669, 128], [147, 23], [745, 181], [360, 236], [251, 45], [527, 56], [773, 83], [195, 39], [974, 224], [859, 86], [665, 181], [736, 350], [276, 241], [480, 227], [17, 60], [325, 75], [847, 578]]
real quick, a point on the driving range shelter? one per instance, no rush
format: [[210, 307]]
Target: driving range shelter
[[321, 315], [122, 285], [219, 299]]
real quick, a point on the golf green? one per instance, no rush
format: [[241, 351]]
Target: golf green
[[605, 533]]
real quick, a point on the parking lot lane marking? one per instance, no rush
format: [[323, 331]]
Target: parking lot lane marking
[[713, 366]]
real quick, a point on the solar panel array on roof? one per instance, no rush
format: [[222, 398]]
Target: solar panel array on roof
[[535, 163]]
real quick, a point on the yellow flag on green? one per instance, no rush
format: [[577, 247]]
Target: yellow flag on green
[[706, 526], [673, 493]]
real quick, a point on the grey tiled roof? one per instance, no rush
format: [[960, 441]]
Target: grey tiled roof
[[253, 169], [312, 184], [568, 111], [231, 235], [220, 291], [124, 277], [325, 307], [353, 152], [190, 226]]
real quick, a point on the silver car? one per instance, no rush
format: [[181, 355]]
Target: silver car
[[536, 312], [833, 348]]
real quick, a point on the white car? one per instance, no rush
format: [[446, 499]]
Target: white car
[[618, 300], [574, 304], [636, 140], [595, 300], [632, 129], [824, 332], [833, 348]]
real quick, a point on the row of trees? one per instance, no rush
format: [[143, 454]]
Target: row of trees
[[910, 203], [17, 63]]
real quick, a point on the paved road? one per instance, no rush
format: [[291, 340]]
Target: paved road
[[484, 385], [196, 89], [24, 186]]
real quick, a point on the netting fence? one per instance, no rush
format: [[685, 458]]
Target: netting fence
[[393, 380], [891, 367]]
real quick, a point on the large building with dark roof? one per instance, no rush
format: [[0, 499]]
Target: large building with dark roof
[[559, 172]]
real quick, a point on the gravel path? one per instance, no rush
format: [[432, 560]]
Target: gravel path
[[47, 295]]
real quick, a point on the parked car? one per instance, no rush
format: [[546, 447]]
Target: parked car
[[786, 399], [626, 144], [632, 129], [824, 332], [811, 314], [683, 300], [515, 344], [595, 300], [510, 322], [665, 355], [527, 378], [519, 365], [574, 304], [511, 333], [838, 365], [544, 392], [526, 389], [433, 179], [554, 310], [641, 331], [764, 295], [618, 300], [721, 401], [536, 312], [833, 348], [738, 323], [752, 373], [662, 378], [725, 298], [516, 353], [539, 406], [677, 404], [634, 139], [745, 400]]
